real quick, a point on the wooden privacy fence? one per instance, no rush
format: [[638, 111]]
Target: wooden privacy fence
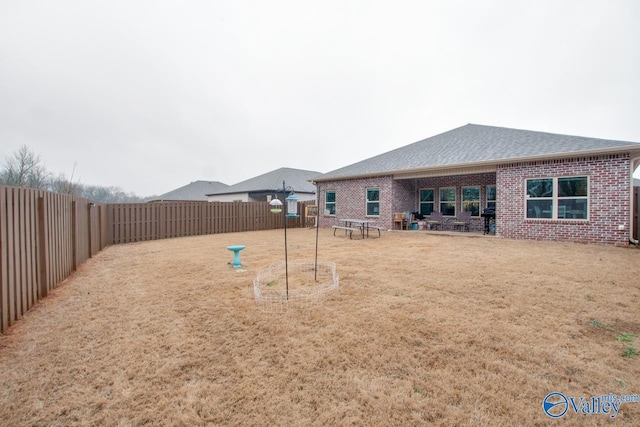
[[45, 236], [135, 222]]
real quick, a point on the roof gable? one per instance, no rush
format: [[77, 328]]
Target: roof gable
[[476, 144]]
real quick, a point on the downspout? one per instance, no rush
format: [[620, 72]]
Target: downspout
[[635, 162]]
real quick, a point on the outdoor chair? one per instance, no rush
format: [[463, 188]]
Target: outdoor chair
[[400, 220], [435, 220], [463, 220]]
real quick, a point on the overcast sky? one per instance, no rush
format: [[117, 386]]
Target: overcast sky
[[151, 95]]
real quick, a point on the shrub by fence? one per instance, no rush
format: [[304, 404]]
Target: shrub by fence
[[45, 236]]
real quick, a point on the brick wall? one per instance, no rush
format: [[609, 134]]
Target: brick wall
[[351, 200], [396, 196], [609, 200]]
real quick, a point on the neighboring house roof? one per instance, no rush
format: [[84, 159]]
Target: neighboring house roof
[[477, 145], [196, 191], [297, 179]]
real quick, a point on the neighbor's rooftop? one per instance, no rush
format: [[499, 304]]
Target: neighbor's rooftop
[[298, 179]]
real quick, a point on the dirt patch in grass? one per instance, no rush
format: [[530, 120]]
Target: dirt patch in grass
[[424, 328]]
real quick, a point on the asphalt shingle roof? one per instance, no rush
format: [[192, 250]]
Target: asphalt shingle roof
[[298, 179], [474, 144], [196, 191]]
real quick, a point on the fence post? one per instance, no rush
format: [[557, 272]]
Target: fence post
[[100, 237], [110, 221], [161, 220], [4, 262], [74, 235], [89, 227], [42, 248]]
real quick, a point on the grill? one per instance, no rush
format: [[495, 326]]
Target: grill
[[489, 215]]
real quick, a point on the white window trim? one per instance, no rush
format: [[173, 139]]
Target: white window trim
[[554, 199], [455, 201], [327, 212], [366, 202], [433, 202], [487, 200], [479, 187]]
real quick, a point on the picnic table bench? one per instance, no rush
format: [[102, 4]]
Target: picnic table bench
[[377, 227], [346, 229]]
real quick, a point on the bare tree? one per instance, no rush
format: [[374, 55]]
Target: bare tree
[[25, 169], [60, 184], [109, 194]]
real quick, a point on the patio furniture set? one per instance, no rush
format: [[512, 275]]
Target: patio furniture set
[[434, 221]]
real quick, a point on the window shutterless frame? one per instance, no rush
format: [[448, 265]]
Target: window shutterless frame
[[491, 196], [471, 200], [573, 198], [557, 198], [426, 200], [330, 202], [372, 207], [448, 201]]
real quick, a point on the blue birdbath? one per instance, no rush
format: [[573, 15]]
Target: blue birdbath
[[236, 254]]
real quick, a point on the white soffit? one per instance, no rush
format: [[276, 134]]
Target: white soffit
[[446, 172]]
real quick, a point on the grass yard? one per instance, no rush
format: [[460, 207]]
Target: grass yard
[[425, 329]]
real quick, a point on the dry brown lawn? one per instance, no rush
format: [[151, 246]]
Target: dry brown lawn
[[426, 329]]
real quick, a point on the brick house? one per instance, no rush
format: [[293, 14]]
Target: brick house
[[543, 186]]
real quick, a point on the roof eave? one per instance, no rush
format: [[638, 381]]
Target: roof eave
[[470, 166]]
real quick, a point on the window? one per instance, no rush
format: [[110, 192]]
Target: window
[[572, 197], [427, 199], [491, 196], [448, 201], [557, 198], [471, 200], [330, 202], [540, 198], [373, 201]]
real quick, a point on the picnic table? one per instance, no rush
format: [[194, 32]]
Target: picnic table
[[354, 224]]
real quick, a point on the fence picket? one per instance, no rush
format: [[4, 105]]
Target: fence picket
[[11, 255], [4, 260]]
